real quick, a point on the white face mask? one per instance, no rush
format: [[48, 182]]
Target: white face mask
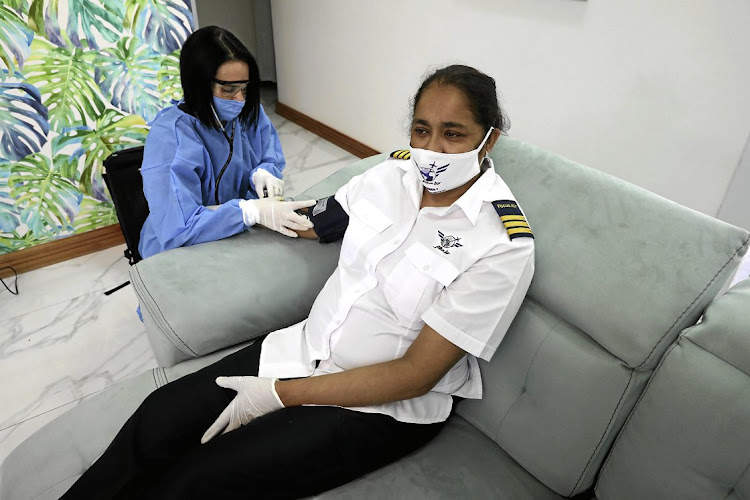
[[442, 171]]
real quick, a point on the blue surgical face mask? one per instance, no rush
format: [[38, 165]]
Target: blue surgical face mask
[[226, 109]]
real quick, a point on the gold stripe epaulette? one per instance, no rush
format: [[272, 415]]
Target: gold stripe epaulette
[[401, 154], [513, 219]]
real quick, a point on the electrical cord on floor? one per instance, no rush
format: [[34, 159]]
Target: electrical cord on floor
[[109, 292], [15, 280]]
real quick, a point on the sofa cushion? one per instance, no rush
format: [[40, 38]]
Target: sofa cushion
[[689, 435], [619, 272], [199, 299], [460, 462]]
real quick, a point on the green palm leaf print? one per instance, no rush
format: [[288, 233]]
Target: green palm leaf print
[[47, 201], [127, 74], [169, 77], [163, 24], [23, 120], [16, 241], [15, 38], [65, 79], [20, 6], [87, 21], [94, 214], [112, 132], [9, 218]]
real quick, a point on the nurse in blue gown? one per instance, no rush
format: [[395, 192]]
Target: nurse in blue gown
[[213, 163]]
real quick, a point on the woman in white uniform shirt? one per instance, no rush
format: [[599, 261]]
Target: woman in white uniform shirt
[[435, 262]]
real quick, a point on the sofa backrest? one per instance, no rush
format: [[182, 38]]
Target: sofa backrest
[[619, 273], [689, 435]]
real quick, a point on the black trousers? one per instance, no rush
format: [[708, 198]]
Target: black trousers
[[291, 453]]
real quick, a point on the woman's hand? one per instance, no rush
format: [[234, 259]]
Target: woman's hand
[[277, 215], [255, 398], [265, 181]]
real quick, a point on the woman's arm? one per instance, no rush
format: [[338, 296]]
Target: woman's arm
[[172, 186], [426, 361], [268, 148]]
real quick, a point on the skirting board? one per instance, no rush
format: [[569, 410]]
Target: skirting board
[[322, 130], [60, 250], [99, 239]]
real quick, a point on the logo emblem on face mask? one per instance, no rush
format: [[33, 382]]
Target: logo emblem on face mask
[[430, 173], [447, 242]]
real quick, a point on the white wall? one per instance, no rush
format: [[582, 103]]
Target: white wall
[[236, 16], [735, 208], [652, 91]]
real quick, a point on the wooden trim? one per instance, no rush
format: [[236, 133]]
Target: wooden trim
[[52, 252], [320, 129]]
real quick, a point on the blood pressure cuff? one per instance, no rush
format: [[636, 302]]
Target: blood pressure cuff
[[329, 219]]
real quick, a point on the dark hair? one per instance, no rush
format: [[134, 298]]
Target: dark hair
[[479, 90], [202, 54]]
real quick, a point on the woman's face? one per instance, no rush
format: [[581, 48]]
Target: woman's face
[[231, 80], [444, 123]]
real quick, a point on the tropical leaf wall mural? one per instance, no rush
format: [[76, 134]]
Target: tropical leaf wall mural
[[79, 80]]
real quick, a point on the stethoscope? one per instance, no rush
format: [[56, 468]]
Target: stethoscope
[[230, 139]]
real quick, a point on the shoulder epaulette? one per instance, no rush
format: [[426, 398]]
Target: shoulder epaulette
[[401, 154], [513, 219]]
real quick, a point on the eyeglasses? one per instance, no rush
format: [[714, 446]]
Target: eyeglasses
[[230, 89]]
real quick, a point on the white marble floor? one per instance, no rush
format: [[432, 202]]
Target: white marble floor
[[62, 339]]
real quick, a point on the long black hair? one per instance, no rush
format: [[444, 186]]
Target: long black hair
[[479, 90], [202, 54]]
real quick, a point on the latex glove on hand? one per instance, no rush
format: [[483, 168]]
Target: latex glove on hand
[[255, 397], [277, 215], [263, 179]]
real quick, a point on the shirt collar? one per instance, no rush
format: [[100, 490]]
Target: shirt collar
[[488, 187], [412, 181]]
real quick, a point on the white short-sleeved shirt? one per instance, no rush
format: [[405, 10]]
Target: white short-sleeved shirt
[[454, 268]]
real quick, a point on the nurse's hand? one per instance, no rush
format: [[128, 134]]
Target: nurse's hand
[[264, 180], [277, 215], [255, 398]]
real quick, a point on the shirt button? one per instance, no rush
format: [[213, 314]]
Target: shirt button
[[395, 243], [357, 291], [426, 268], [338, 322]]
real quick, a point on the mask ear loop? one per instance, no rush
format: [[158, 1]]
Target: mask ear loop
[[218, 121]]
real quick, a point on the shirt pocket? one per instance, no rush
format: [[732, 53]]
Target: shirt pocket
[[415, 283], [365, 222]]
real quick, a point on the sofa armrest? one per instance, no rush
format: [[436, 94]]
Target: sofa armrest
[[198, 299]]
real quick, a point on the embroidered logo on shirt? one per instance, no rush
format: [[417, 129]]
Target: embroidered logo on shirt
[[447, 242], [431, 173]]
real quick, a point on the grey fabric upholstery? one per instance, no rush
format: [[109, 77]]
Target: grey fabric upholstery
[[620, 272], [689, 435], [460, 463], [199, 299]]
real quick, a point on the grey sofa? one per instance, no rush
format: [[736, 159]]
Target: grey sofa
[[603, 385]]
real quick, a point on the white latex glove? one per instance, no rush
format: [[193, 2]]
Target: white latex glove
[[276, 214], [265, 179], [255, 397]]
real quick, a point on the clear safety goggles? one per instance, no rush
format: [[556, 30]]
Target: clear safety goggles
[[228, 90]]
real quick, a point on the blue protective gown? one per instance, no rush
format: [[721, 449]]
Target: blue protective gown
[[181, 162]]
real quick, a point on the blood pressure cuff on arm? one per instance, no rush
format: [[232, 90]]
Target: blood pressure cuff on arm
[[330, 220]]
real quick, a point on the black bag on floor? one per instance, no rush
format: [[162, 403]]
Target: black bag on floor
[[122, 174]]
